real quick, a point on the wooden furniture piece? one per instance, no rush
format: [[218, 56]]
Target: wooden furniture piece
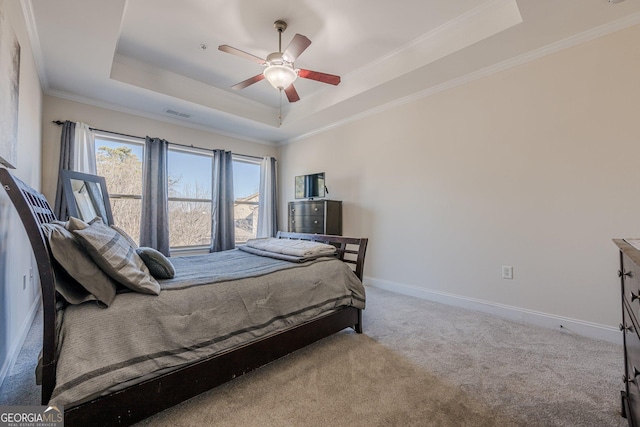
[[136, 402], [630, 301], [316, 217]]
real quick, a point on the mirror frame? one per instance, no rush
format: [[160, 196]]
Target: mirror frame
[[67, 175]]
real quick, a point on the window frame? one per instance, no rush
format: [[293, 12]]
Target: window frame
[[117, 138], [124, 140], [250, 160], [105, 136], [198, 152]]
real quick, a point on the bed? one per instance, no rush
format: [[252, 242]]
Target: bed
[[314, 310]]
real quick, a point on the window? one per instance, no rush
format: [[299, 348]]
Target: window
[[189, 197], [119, 161], [246, 190]]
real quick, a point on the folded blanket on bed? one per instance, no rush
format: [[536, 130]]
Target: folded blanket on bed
[[284, 257], [298, 248]]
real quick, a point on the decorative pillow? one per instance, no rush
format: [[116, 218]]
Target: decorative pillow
[[72, 291], [87, 282], [117, 258], [158, 264], [124, 234], [75, 224]]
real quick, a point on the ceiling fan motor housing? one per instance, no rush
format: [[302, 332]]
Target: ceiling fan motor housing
[[277, 58], [279, 72]]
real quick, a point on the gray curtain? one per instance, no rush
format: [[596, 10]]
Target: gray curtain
[[66, 162], [154, 221], [267, 221], [222, 200]]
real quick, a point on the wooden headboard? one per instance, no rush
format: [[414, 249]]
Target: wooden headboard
[[343, 246], [34, 210]]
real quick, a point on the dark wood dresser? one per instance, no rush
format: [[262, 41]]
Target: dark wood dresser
[[316, 217], [630, 287]]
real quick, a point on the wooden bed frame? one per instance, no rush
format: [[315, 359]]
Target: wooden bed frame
[[142, 400]]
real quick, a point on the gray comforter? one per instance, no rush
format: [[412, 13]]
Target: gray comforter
[[216, 302]]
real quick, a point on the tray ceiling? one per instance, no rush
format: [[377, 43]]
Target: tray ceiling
[[160, 58]]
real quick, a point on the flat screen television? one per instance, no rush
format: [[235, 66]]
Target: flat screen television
[[310, 186]]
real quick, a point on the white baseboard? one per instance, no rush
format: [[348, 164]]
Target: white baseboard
[[517, 314], [16, 346]]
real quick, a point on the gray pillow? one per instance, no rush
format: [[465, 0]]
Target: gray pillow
[[124, 234], [117, 258], [158, 264], [86, 282], [76, 224], [72, 291]]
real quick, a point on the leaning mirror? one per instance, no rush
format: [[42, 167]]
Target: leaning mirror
[[86, 196]]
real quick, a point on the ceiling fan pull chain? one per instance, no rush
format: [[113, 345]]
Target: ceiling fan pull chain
[[280, 114]]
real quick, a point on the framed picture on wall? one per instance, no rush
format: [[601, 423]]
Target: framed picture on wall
[[9, 85]]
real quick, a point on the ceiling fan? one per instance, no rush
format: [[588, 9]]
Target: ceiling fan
[[279, 69]]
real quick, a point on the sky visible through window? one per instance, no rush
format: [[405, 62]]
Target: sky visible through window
[[196, 170], [246, 179]]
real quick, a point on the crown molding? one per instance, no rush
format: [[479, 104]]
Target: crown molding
[[152, 116], [34, 39], [533, 55]]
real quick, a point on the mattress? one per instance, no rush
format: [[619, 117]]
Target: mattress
[[216, 302]]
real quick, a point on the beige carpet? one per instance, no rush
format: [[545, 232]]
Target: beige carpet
[[346, 380], [419, 363]]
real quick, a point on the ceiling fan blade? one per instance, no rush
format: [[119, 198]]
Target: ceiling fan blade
[[241, 53], [292, 94], [321, 77], [248, 82], [296, 47]]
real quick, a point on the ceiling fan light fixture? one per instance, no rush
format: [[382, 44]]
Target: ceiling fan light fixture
[[280, 76], [279, 70]]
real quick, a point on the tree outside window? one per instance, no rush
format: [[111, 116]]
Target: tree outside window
[[119, 161], [189, 198], [121, 165]]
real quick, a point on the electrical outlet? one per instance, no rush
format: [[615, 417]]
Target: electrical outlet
[[507, 272]]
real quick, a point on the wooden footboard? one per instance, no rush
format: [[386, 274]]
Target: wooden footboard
[[150, 397]]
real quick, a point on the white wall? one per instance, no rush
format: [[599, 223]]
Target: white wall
[[61, 109], [18, 305], [534, 167]]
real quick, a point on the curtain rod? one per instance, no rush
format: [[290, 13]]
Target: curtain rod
[[60, 123]]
